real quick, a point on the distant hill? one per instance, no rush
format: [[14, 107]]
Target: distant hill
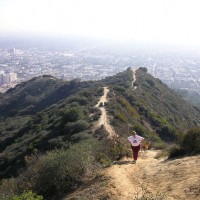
[[46, 113], [37, 94], [191, 96]]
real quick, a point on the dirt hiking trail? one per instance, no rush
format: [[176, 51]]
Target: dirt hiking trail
[[175, 179], [134, 79], [104, 119], [164, 179]]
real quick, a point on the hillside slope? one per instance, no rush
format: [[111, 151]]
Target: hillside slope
[[46, 113], [37, 94], [73, 113], [170, 179], [148, 106]]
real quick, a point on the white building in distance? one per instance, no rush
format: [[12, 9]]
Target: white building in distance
[[8, 78]]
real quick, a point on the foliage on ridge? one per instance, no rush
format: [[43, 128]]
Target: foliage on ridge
[[47, 114], [152, 108]]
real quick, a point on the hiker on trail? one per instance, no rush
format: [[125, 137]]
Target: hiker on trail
[[135, 141]]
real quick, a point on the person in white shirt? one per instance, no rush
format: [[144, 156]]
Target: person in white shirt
[[135, 141]]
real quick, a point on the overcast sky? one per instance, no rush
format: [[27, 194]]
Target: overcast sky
[[168, 21]]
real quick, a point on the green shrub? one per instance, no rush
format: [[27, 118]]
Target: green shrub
[[79, 137], [62, 170], [10, 194], [139, 129], [116, 148], [75, 127], [150, 82], [167, 133], [59, 171], [8, 188], [159, 145], [176, 151], [28, 196], [119, 89], [121, 117], [190, 144], [80, 100], [101, 132], [58, 143], [104, 160], [73, 114], [191, 141]]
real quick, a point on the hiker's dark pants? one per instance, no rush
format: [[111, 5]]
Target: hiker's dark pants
[[135, 151]]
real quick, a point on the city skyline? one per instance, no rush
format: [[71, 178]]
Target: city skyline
[[155, 21]]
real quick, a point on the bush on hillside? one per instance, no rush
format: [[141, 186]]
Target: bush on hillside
[[117, 148], [75, 127], [27, 196], [72, 115], [120, 116], [80, 100], [101, 133], [78, 137], [8, 188], [191, 141], [176, 151], [62, 170], [189, 145], [140, 129], [119, 89], [55, 173], [167, 133], [58, 143]]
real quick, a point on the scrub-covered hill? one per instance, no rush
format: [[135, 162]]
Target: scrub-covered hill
[[59, 123]]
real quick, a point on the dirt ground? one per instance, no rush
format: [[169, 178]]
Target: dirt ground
[[174, 179], [164, 179], [104, 119]]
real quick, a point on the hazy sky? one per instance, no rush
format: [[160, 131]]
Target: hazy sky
[[170, 21]]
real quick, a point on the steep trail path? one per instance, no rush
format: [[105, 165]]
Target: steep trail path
[[176, 179], [104, 120], [134, 79], [124, 176]]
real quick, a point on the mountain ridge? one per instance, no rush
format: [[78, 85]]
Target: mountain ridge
[[145, 105]]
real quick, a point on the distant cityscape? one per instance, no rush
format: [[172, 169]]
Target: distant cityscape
[[178, 69]]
